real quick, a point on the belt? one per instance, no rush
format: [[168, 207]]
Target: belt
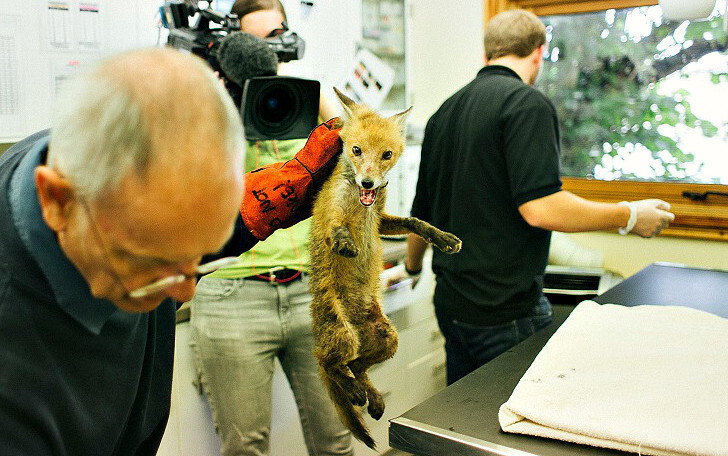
[[277, 275]]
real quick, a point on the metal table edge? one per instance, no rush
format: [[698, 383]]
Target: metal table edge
[[400, 427]]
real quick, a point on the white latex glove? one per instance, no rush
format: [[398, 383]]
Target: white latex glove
[[652, 216]]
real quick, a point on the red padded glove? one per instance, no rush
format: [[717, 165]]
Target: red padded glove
[[280, 195]]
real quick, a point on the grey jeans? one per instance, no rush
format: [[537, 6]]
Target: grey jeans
[[239, 327]]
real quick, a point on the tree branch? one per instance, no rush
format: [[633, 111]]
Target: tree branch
[[669, 65]]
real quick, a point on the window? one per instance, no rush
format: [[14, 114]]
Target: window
[[641, 104], [639, 98]]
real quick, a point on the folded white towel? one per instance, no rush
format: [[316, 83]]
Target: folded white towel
[[647, 379]]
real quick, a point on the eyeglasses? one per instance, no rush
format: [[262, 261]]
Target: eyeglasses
[[163, 283], [166, 282]]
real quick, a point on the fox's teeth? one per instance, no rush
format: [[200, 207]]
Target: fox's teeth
[[367, 197]]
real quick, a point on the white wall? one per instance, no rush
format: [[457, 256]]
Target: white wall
[[331, 30], [446, 43], [628, 254], [31, 65]]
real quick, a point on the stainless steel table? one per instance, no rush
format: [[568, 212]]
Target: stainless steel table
[[463, 418]]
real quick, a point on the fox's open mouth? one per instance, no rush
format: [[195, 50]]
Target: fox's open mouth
[[367, 197]]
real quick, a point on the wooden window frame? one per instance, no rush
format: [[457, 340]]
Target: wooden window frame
[[706, 219]]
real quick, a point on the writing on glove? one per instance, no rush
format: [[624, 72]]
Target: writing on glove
[[280, 195]]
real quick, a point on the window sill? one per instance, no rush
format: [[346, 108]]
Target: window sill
[[706, 219], [549, 7]]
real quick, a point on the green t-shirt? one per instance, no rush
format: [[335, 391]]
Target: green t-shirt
[[286, 247]]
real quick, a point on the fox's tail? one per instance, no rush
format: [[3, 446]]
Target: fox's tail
[[349, 414]]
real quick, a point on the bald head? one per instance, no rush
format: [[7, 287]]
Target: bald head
[[144, 173], [141, 109]]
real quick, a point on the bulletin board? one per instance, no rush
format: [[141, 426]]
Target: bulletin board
[[43, 42]]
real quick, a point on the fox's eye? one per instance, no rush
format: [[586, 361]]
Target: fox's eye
[[387, 155], [356, 150]]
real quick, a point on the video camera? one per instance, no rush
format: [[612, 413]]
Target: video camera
[[272, 107]]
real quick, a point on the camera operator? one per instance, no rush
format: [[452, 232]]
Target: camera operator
[[245, 316], [267, 19]]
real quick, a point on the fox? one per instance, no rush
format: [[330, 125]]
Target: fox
[[351, 331]]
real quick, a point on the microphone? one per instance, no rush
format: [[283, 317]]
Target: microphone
[[243, 56], [271, 106]]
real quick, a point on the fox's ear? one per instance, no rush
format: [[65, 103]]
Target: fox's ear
[[401, 118], [346, 102]]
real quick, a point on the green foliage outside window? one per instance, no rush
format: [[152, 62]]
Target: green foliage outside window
[[639, 98]]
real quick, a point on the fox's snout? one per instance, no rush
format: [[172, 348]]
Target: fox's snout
[[368, 189], [369, 177], [369, 182]]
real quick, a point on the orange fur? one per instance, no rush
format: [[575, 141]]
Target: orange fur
[[352, 333]]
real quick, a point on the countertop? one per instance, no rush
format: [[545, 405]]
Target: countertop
[[463, 418]]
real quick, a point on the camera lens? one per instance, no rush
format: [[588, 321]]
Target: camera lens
[[276, 105], [279, 107]]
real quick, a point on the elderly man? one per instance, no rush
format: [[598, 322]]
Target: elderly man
[[102, 227]]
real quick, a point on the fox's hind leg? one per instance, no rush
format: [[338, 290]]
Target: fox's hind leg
[[376, 402], [336, 345], [392, 225], [377, 342]]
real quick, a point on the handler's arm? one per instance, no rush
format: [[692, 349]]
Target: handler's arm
[[569, 213], [281, 194]]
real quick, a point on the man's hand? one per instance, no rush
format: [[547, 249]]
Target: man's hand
[[652, 217], [414, 275], [399, 276], [281, 194]]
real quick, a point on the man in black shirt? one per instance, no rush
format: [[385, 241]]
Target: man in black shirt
[[489, 173]]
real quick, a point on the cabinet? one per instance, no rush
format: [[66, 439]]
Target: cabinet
[[384, 26]]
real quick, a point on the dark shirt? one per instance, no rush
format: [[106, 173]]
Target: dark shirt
[[78, 376], [491, 147]]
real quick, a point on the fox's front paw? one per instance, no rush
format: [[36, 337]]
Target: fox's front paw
[[342, 243], [447, 242]]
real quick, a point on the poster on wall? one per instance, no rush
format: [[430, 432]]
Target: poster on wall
[[71, 25], [11, 119], [59, 26], [369, 79], [62, 70], [89, 26]]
